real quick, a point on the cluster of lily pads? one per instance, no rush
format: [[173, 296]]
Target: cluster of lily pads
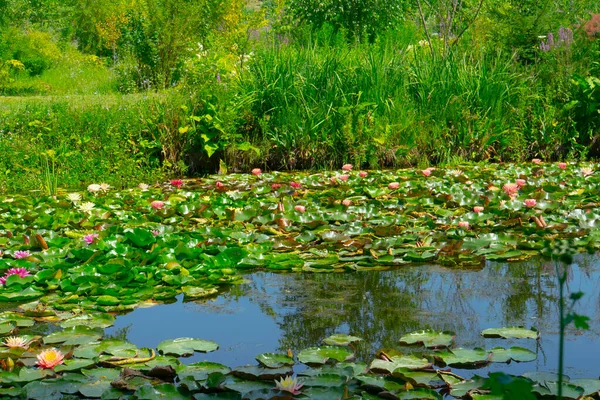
[[93, 366], [76, 258]]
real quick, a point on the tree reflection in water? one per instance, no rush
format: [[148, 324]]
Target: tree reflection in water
[[380, 307]]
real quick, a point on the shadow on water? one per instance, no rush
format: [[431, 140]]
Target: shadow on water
[[274, 312]]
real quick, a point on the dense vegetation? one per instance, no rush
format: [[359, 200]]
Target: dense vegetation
[[124, 91]]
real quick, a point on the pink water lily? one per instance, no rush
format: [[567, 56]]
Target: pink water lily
[[530, 202], [521, 182], [295, 185], [89, 239], [157, 204], [478, 209], [343, 178], [256, 171], [21, 254], [562, 165], [22, 272], [275, 186], [363, 174], [219, 185], [394, 185], [426, 172], [50, 358], [347, 167], [300, 208], [177, 183], [347, 202], [463, 224], [289, 384], [511, 189], [536, 161]]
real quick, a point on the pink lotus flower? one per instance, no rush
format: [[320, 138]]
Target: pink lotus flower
[[157, 204], [562, 165], [478, 209], [300, 208], [22, 272], [333, 179], [511, 189], [347, 167], [89, 239], [289, 384], [50, 358], [177, 183], [463, 224], [347, 202], [394, 185], [219, 185], [256, 171], [363, 174], [530, 202], [343, 178], [426, 172], [536, 161], [155, 232], [275, 186], [521, 182], [295, 185], [21, 254]]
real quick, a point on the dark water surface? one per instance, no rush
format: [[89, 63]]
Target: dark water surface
[[274, 312]]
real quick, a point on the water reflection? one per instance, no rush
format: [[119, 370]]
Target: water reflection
[[274, 312]]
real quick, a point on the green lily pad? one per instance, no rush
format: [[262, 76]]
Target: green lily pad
[[94, 389], [590, 386], [429, 338], [518, 354], [160, 392], [95, 320], [322, 355], [464, 358], [409, 362], [185, 347], [273, 360], [75, 335], [74, 365], [340, 339], [514, 332], [569, 391]]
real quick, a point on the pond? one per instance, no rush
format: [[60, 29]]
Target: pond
[[272, 312]]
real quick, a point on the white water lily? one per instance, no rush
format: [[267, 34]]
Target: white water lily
[[104, 187], [74, 197], [94, 187], [143, 186], [86, 207]]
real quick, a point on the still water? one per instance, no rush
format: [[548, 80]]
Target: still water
[[274, 312]]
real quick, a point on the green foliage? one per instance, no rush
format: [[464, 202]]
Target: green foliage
[[363, 19]]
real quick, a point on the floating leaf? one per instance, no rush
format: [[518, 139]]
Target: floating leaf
[[429, 338], [184, 347], [273, 360], [340, 339], [321, 355], [515, 332]]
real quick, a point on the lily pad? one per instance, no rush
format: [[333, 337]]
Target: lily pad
[[429, 338], [512, 332], [518, 354], [185, 347], [321, 355], [273, 360], [339, 339], [75, 335], [464, 358]]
